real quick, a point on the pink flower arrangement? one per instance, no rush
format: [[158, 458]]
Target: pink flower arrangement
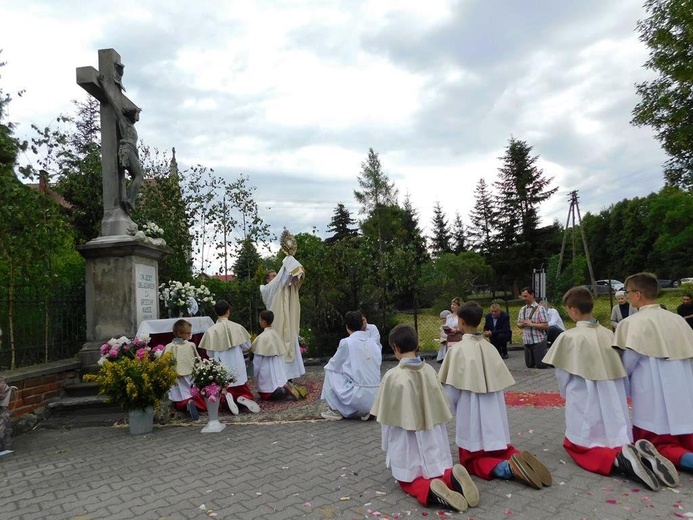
[[116, 349], [210, 379]]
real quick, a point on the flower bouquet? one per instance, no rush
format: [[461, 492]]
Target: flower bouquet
[[181, 298], [135, 376], [116, 349], [151, 233], [152, 230], [209, 380]]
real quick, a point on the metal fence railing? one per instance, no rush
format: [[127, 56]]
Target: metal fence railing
[[44, 327]]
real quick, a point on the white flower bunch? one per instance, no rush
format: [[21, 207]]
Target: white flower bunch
[[152, 230], [176, 295], [204, 294]]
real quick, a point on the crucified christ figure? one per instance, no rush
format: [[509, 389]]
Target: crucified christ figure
[[128, 156]]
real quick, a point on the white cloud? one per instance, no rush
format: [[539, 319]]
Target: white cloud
[[294, 93]]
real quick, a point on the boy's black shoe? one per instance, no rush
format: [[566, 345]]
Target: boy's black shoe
[[441, 495], [663, 468], [628, 463], [464, 484]]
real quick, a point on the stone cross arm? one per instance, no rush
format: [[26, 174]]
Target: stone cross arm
[[88, 79]]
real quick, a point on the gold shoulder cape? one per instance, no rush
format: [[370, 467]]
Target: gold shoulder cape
[[474, 364], [655, 332], [587, 351], [268, 343], [223, 335], [185, 353], [410, 397]]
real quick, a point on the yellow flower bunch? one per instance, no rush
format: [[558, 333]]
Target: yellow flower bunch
[[136, 383]]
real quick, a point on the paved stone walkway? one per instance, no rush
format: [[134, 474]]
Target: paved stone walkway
[[295, 469]]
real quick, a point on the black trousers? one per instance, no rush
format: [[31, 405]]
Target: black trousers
[[534, 353], [501, 344]]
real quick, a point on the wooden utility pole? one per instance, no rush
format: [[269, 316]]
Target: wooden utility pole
[[572, 209]]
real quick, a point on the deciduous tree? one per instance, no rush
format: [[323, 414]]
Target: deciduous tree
[[667, 100]]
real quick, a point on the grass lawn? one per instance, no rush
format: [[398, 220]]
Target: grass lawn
[[429, 322]]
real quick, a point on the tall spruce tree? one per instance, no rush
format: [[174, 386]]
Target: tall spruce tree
[[376, 188], [441, 236], [248, 260], [522, 188], [483, 220], [458, 235], [378, 200], [340, 225], [414, 236]]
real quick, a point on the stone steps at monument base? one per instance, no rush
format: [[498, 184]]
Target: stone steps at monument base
[[81, 389], [82, 411]]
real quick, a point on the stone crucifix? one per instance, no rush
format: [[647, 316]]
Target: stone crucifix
[[118, 142]]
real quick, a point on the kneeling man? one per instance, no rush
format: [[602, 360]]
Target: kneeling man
[[352, 376]]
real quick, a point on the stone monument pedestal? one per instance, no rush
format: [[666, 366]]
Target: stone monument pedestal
[[122, 289]]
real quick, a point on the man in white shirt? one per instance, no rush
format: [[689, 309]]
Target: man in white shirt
[[556, 325]]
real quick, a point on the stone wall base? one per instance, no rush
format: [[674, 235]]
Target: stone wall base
[[39, 384]]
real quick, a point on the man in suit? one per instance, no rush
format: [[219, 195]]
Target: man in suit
[[497, 329]]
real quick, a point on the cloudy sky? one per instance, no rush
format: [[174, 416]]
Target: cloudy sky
[[293, 93]]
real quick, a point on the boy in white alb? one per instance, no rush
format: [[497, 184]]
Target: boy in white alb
[[412, 411], [352, 376], [593, 382], [226, 341], [657, 352], [268, 362], [185, 354], [474, 378]]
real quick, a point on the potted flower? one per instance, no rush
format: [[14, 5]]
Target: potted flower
[[136, 377], [209, 380]]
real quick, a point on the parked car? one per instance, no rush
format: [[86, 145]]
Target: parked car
[[604, 286], [682, 281], [665, 284]]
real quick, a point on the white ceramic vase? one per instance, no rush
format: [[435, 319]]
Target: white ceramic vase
[[213, 423]]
